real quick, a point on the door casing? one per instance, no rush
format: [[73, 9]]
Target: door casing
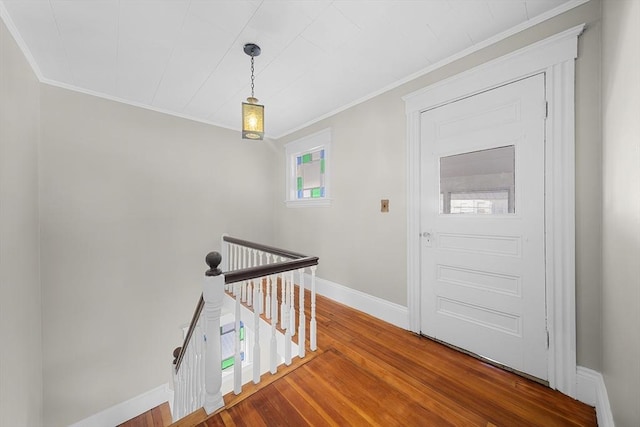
[[554, 56]]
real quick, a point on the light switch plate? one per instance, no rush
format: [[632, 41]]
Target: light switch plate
[[384, 205]]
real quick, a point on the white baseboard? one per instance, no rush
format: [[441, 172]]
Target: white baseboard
[[592, 391], [133, 407], [390, 312]]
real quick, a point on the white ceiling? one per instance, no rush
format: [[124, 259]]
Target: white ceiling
[[185, 57]]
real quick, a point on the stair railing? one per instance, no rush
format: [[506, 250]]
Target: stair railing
[[260, 278]]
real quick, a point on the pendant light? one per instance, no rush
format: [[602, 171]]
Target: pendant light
[[252, 112]]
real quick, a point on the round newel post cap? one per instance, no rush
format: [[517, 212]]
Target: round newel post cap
[[176, 353], [213, 260]]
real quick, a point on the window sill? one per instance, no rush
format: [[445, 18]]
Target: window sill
[[308, 203]]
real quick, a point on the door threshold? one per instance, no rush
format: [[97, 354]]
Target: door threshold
[[489, 361]]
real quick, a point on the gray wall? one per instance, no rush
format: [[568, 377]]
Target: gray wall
[[621, 209], [20, 315], [364, 249], [131, 202]]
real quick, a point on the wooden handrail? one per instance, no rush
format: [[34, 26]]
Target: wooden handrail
[[192, 327], [268, 269], [264, 248], [213, 259]]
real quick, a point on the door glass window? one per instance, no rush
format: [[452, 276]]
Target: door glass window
[[479, 182]]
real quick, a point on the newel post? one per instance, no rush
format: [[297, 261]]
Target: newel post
[[213, 294]]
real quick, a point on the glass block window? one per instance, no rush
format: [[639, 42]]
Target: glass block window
[[308, 170]]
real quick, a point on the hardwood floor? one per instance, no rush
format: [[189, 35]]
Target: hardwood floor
[[368, 372], [160, 416]]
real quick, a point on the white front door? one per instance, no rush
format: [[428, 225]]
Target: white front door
[[482, 220]]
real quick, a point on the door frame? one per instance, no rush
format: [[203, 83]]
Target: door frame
[[555, 57]]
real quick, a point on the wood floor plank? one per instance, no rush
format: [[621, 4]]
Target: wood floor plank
[[276, 409], [332, 400], [227, 420], [302, 399], [160, 416], [247, 414], [367, 391], [214, 421], [453, 385], [430, 397], [312, 413], [191, 419]]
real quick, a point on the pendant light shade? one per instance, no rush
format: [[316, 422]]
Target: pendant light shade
[[252, 112], [252, 119]]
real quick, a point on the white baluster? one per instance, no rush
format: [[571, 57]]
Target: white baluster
[[236, 250], [292, 305], [199, 346], [260, 295], [237, 363], [312, 326], [194, 378], [189, 381], [247, 262], [274, 309], [190, 400], [302, 321], [283, 297], [256, 335], [267, 301], [233, 263], [178, 384], [176, 394], [243, 286], [224, 251], [183, 380], [213, 294], [236, 266], [229, 262], [185, 377], [252, 283], [285, 323]]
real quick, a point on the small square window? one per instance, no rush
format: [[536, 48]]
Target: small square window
[[479, 182], [308, 163]]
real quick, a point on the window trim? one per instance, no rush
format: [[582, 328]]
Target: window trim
[[313, 142]]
